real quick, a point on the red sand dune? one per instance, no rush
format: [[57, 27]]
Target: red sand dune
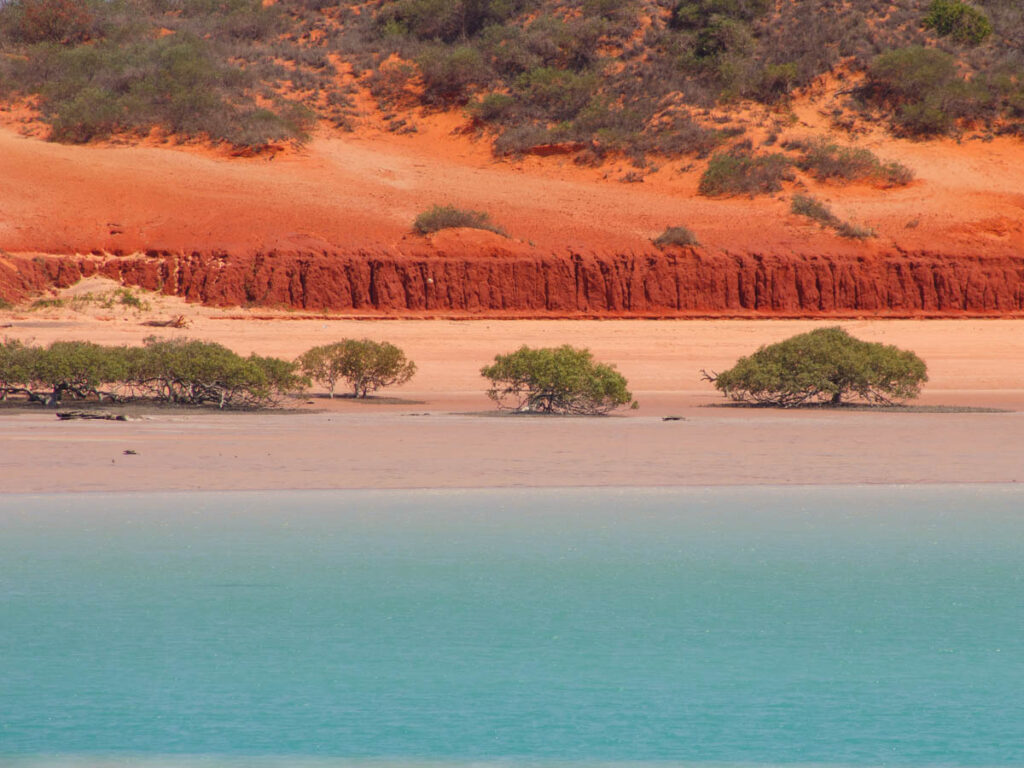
[[329, 227]]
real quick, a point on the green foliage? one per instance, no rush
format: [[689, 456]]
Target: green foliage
[[855, 231], [491, 108], [904, 73], [448, 72], [534, 70], [121, 75], [555, 380], [179, 371], [958, 20], [926, 91], [48, 304], [521, 138], [441, 217], [78, 367], [824, 365], [827, 161], [126, 298], [560, 94], [16, 361], [48, 21], [738, 171], [775, 82], [812, 208], [444, 20], [698, 14], [366, 365], [680, 235], [187, 371]]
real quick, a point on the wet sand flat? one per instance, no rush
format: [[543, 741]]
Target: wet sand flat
[[441, 431], [393, 450]]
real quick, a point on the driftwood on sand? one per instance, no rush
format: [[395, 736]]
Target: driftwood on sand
[[179, 321], [100, 415]]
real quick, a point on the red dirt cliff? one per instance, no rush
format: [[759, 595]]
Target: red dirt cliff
[[677, 283]]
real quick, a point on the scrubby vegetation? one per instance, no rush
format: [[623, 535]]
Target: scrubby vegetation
[[366, 365], [740, 171], [958, 20], [203, 68], [441, 217], [181, 372], [679, 235], [549, 71], [827, 161], [555, 380], [634, 76], [812, 208], [926, 93], [826, 365]]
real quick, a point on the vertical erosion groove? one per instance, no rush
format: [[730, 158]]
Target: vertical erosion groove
[[575, 284]]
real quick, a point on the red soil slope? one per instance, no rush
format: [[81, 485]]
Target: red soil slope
[[329, 227]]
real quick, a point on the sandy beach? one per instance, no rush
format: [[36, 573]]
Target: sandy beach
[[441, 431]]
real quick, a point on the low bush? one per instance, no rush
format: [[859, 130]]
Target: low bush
[[559, 94], [449, 217], [826, 365], [680, 235], [855, 231], [827, 161], [555, 380], [366, 365], [925, 92], [99, 68], [739, 171], [448, 72], [491, 108], [49, 21], [955, 19], [812, 208], [520, 139]]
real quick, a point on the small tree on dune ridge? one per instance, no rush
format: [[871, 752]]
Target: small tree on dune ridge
[[366, 365]]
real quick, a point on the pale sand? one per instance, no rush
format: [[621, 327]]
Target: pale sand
[[347, 444]]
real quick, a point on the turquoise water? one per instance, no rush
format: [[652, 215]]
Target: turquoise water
[[840, 626]]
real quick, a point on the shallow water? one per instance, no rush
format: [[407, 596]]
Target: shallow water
[[841, 626]]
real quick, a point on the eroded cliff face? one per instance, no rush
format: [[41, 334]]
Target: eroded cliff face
[[677, 283]]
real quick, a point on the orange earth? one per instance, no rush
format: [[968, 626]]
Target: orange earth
[[327, 229], [439, 430], [328, 226]]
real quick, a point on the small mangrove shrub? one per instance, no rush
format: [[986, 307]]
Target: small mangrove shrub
[[179, 371], [826, 365], [562, 380], [364, 364]]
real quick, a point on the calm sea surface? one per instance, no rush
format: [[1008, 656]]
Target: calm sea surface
[[766, 626]]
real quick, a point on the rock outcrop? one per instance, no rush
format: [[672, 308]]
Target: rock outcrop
[[676, 283]]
